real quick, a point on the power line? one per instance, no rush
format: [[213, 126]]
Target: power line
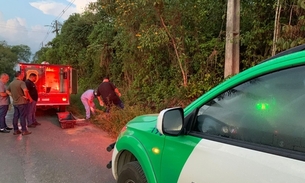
[[64, 10], [46, 36], [56, 22]]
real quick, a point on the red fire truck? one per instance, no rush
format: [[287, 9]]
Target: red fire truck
[[54, 84]]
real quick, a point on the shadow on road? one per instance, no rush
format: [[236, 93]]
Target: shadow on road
[[48, 113]]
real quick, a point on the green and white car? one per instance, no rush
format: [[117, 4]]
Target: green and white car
[[248, 129]]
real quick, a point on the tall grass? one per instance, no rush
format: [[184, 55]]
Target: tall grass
[[111, 122], [114, 121], [76, 106]]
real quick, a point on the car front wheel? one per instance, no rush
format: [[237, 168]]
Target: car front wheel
[[132, 172]]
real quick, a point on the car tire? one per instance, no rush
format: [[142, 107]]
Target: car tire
[[132, 172]]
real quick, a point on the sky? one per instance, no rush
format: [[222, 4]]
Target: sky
[[29, 22]]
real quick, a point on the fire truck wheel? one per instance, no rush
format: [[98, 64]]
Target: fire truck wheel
[[62, 108]]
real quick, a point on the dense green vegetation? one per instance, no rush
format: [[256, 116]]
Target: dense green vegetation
[[168, 52], [11, 55]]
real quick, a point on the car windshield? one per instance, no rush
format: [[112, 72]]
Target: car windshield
[[262, 107]]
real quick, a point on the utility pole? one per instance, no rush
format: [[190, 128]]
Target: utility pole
[[232, 38], [56, 29], [56, 26]]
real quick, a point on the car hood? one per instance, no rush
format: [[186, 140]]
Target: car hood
[[145, 124], [142, 123], [147, 118]]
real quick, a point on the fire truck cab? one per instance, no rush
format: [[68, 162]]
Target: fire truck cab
[[54, 84]]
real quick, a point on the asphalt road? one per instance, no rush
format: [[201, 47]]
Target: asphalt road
[[55, 155]]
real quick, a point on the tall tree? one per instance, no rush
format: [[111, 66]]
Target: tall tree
[[151, 48], [292, 31], [41, 55], [8, 59], [23, 52]]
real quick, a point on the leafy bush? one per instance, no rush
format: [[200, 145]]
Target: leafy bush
[[114, 121]]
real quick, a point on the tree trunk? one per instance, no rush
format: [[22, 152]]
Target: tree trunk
[[184, 75], [276, 26]]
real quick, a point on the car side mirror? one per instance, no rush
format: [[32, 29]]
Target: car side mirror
[[170, 121]]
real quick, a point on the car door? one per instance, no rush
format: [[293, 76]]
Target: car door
[[253, 132]]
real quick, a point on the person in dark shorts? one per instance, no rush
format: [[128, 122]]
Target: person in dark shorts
[[30, 84], [108, 94]]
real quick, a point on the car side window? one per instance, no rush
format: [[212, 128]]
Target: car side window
[[266, 110]]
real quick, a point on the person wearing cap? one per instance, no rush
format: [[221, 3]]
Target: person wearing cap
[[87, 99], [108, 94], [18, 91]]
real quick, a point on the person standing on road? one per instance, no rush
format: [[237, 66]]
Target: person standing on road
[[4, 103], [87, 99], [108, 94], [18, 91], [30, 84]]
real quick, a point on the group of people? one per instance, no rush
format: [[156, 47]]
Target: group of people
[[24, 95], [107, 94], [24, 99]]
